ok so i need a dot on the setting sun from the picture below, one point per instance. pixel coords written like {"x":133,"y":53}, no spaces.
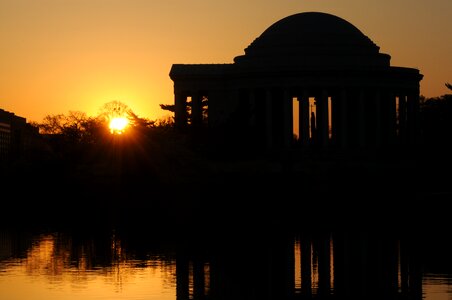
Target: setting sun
{"x":118,"y":125}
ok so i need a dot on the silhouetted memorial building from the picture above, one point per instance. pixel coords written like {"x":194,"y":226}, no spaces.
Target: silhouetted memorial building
{"x":312,"y":67}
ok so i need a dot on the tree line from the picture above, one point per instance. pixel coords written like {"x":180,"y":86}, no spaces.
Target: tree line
{"x":436,"y":119}
{"x":75,"y":136}
{"x":76,"y":130}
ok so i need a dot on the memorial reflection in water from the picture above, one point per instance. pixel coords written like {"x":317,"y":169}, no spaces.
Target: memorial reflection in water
{"x":246,"y":265}
{"x":309,"y":265}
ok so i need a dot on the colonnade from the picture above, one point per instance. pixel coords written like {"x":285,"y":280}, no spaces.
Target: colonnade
{"x":340,"y":117}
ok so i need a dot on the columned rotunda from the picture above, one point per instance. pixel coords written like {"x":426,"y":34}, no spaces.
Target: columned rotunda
{"x":309,"y":79}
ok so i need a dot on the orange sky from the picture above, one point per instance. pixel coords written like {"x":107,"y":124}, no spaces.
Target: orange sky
{"x":61,"y":55}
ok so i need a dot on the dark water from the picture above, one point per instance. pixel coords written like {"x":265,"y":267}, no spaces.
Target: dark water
{"x":146,"y":260}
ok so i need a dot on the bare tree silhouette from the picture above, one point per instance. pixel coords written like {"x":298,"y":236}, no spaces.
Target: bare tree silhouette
{"x":115,"y":109}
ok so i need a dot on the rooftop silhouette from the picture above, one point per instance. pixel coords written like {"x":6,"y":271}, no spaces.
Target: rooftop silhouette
{"x":322,"y":62}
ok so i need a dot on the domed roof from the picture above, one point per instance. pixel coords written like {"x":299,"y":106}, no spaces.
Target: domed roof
{"x":300,"y":38}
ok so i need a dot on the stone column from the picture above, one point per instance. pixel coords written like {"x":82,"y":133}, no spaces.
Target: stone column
{"x":335,"y":119}
{"x":287,"y":118}
{"x":303,"y":118}
{"x":392,"y":119}
{"x":180,"y":111}
{"x":402,"y":118}
{"x":268,"y":119}
{"x":214,"y":110}
{"x":378,"y":117}
{"x":343,"y":119}
{"x":362,"y":126}
{"x":252,"y":97}
{"x":322,"y":119}
{"x":196,"y":110}
{"x":416,"y":115}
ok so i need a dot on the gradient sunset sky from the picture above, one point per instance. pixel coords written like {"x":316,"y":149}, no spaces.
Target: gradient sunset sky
{"x":62,"y":55}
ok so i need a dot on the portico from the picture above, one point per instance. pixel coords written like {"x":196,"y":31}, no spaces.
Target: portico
{"x":348,"y":94}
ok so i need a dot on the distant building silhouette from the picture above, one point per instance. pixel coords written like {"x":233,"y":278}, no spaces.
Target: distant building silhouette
{"x":16,"y":135}
{"x":360,"y":100}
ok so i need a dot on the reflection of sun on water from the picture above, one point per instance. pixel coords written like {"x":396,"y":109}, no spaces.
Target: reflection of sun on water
{"x":55,"y":269}
{"x":118,"y":125}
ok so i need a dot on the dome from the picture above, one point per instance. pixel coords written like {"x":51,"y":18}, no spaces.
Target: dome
{"x":313,"y":38}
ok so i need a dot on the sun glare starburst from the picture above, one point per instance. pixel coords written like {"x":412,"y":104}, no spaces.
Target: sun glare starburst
{"x":118,"y":125}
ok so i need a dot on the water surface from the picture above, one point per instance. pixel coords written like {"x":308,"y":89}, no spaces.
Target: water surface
{"x":274,"y":264}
